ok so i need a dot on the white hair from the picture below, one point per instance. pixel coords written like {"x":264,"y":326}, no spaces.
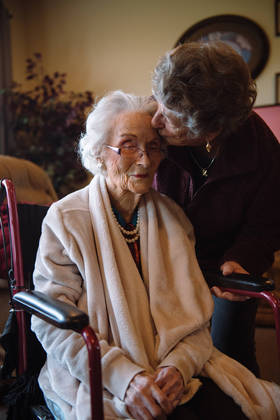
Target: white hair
{"x":100,"y":120}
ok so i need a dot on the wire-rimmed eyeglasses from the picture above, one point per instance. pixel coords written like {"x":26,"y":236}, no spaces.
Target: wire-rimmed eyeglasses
{"x":135,"y":151}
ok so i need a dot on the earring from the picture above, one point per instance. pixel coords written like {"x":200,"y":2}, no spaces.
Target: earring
{"x":208,"y":147}
{"x":99,"y":164}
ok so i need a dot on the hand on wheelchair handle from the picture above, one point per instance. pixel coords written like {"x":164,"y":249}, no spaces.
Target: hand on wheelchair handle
{"x":230,"y":267}
{"x":216,"y":291}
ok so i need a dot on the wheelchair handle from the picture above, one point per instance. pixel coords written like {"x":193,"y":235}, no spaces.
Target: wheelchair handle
{"x":55,"y":312}
{"x":65,"y":316}
{"x":249,"y":282}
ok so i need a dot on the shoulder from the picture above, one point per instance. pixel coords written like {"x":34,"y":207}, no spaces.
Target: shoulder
{"x":173,"y":209}
{"x":257,"y":131}
{"x":165,"y":200}
{"x":252,"y":145}
{"x":78,"y":200}
{"x":70,"y":208}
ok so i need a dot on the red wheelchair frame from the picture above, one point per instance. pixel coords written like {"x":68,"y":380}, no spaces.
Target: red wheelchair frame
{"x":271,"y":299}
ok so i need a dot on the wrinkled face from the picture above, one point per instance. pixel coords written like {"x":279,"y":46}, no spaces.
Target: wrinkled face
{"x":132,"y":173}
{"x":172,"y":130}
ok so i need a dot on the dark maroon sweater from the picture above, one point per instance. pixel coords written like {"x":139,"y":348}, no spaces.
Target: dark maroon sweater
{"x":236,"y":212}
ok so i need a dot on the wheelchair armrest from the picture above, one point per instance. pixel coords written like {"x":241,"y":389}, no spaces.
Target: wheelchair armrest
{"x":238,"y":281}
{"x":66,"y":316}
{"x":55,"y":312}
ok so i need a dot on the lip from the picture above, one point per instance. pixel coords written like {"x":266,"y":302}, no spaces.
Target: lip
{"x":141,"y":176}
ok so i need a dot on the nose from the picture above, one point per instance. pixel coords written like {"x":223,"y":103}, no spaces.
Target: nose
{"x":157,"y":120}
{"x":143,"y":158}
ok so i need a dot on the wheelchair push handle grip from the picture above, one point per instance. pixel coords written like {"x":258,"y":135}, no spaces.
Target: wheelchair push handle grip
{"x":250,"y":282}
{"x":55,"y":312}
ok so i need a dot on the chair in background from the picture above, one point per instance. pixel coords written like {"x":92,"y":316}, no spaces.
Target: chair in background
{"x":32,"y":184}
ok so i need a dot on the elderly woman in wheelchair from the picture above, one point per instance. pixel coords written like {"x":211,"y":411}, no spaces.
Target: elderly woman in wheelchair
{"x":124,"y":254}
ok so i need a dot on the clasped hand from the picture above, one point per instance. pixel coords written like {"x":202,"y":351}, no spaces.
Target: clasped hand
{"x":154,"y":396}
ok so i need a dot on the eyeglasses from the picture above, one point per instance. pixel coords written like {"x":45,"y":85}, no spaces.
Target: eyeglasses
{"x":135,"y":151}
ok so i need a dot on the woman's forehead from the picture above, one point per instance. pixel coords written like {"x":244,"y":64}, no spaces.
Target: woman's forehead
{"x":133,"y":122}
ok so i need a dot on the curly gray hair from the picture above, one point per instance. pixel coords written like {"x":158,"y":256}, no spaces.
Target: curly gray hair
{"x":100,"y":120}
{"x":207,"y":85}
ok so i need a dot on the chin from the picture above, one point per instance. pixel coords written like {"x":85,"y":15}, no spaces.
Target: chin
{"x":141,"y":189}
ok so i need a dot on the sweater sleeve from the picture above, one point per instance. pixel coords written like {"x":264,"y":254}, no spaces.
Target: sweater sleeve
{"x":58,"y":276}
{"x":190,"y":354}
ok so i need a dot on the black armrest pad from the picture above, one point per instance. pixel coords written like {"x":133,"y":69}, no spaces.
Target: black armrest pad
{"x":53,"y":311}
{"x":239,"y":281}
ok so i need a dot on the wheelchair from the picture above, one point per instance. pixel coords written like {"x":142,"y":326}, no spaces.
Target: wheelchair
{"x":25,"y":301}
{"x":50,"y":310}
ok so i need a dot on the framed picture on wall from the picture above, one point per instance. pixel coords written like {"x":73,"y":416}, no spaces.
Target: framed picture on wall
{"x":243,"y":34}
{"x":277,"y":17}
{"x":277,"y":88}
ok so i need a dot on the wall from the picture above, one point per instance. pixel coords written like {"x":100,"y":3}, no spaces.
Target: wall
{"x":114,"y":44}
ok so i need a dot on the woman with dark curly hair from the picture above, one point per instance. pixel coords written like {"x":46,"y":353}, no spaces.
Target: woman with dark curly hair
{"x":225,"y":175}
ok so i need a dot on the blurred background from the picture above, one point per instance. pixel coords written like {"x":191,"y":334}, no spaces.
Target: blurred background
{"x":104,"y":45}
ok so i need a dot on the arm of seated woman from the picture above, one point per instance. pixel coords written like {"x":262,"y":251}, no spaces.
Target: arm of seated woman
{"x":190,"y":354}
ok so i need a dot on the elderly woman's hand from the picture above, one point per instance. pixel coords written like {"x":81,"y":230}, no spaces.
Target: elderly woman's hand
{"x":145,"y":400}
{"x":170,"y":381}
{"x":227,"y":268}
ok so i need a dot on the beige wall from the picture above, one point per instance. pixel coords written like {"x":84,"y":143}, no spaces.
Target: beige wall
{"x":114,"y":44}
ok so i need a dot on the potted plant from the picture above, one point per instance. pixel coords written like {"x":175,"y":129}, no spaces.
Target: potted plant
{"x":47,"y":122}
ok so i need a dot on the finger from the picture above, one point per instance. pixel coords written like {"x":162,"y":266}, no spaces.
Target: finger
{"x":227,"y":268}
{"x":175,"y":399}
{"x":228,"y":295}
{"x":154,"y":400}
{"x":139,"y":412}
{"x":234,"y":297}
{"x":139,"y":396}
{"x":142,"y":404}
{"x":173,"y":390}
{"x":216,"y":291}
{"x":174,"y":395}
{"x":173,"y":384}
{"x":230,"y":267}
{"x":161,"y":399}
{"x":170,"y":380}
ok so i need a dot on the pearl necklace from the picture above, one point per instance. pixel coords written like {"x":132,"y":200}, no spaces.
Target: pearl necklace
{"x":129,"y":232}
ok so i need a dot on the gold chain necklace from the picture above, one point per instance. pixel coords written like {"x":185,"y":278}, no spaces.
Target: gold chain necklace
{"x":204,"y":171}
